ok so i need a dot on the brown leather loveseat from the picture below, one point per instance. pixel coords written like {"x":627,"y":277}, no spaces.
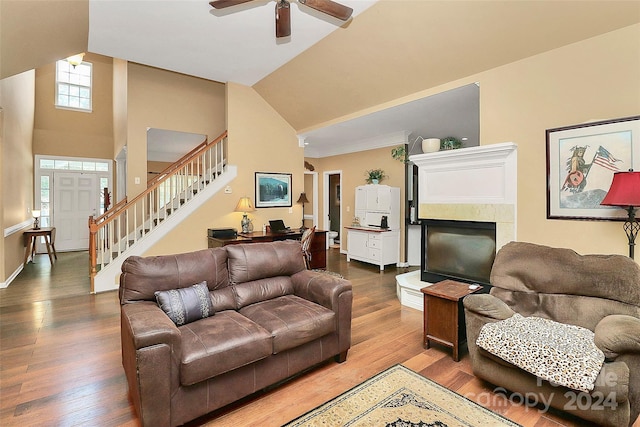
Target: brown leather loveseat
{"x":270,"y":319}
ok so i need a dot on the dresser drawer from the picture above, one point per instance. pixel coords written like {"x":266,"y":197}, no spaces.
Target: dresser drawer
{"x":375,"y":237}
{"x":374,"y":254}
{"x":373,"y":243}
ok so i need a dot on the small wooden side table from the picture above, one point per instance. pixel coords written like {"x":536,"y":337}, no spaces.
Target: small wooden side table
{"x":30,"y":236}
{"x":444,"y":314}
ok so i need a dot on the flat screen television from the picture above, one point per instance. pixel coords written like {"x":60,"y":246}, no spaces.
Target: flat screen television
{"x":457,"y":250}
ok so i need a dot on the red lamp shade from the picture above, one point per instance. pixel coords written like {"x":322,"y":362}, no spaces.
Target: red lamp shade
{"x":624,"y":191}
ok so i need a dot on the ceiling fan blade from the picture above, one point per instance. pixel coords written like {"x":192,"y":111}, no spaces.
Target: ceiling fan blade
{"x":329,"y":7}
{"x":221,"y":4}
{"x":283,"y":19}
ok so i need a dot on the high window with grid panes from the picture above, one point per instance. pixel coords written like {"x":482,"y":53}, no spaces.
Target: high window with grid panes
{"x":73,"y":85}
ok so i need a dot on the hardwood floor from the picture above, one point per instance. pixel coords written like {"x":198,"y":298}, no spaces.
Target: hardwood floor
{"x":60,"y":354}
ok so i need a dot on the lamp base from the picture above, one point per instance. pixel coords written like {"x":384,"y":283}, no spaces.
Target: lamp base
{"x":245,"y":223}
{"x":631,"y":228}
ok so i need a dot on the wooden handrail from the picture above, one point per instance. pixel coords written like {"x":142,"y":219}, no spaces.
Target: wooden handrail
{"x":184,"y":159}
{"x":114,"y":209}
{"x":122,"y":207}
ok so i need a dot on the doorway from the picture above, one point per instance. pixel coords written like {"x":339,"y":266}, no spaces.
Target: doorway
{"x":68,"y":190}
{"x":333,"y":208}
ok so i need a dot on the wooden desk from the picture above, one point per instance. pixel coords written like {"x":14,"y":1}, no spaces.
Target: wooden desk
{"x":30,"y":237}
{"x":444,"y":314}
{"x":318,"y":247}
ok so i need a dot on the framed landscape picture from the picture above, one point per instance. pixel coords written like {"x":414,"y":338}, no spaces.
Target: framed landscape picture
{"x":581,"y":161}
{"x":273,"y":190}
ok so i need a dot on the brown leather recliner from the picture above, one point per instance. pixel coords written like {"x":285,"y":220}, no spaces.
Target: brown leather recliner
{"x":597,"y":292}
{"x":272,"y":319}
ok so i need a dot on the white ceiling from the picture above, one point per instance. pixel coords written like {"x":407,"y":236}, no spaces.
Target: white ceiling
{"x":235,"y":44}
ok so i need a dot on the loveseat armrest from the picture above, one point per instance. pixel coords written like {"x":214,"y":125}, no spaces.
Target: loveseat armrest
{"x":148,"y":325}
{"x":618,"y":334}
{"x":151,"y":353}
{"x":488,"y":306}
{"x":333,"y":293}
{"x":321,"y":288}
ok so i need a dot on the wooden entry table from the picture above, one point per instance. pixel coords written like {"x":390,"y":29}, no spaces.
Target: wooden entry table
{"x":30,"y":236}
{"x":444,"y":314}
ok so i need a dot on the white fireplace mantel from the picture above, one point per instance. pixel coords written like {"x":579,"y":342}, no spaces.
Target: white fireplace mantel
{"x":486,"y":174}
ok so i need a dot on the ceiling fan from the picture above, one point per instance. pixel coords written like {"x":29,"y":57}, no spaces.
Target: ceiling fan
{"x":283,"y":12}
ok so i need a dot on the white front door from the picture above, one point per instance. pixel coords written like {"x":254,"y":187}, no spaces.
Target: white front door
{"x":75,"y":199}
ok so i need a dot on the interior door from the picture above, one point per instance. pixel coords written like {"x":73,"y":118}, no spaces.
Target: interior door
{"x":75,"y":199}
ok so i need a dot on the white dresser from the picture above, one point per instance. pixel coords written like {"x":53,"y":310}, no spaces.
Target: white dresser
{"x":368,"y":242}
{"x":373,"y":245}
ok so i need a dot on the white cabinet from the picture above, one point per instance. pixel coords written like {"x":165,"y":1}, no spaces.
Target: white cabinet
{"x":373,"y":246}
{"x":373,"y":201}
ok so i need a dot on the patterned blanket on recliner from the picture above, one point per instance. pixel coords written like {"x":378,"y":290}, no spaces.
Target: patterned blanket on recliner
{"x":560,"y":353}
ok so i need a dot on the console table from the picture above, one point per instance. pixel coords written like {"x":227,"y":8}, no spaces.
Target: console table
{"x":318,"y":248}
{"x":444,"y":314}
{"x":30,"y":236}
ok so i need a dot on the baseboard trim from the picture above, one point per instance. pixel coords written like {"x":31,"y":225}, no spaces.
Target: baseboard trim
{"x":10,"y":279}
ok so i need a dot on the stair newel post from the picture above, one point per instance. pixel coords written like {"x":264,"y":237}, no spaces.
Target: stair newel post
{"x":93,"y":229}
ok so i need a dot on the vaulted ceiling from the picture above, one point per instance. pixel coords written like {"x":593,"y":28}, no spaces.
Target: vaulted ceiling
{"x":327,"y":70}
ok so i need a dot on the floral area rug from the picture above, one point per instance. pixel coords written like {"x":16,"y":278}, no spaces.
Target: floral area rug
{"x":399,"y":397}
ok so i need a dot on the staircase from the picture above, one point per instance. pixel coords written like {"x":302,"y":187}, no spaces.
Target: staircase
{"x":132,"y":227}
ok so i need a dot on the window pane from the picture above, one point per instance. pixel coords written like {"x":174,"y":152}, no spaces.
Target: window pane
{"x":85,"y":104}
{"x":88,"y":166}
{"x":83,"y":69}
{"x":63,"y":77}
{"x":85,"y":92}
{"x":102,"y":167}
{"x":44,"y":222}
{"x":74,"y":90}
{"x":46,"y":164}
{"x":74,"y":102}
{"x":63,"y":65}
{"x":44,"y":209}
{"x":63,"y":89}
{"x":84,"y":80}
{"x":63,"y":100}
{"x":44,"y":196}
{"x":44,"y":181}
{"x":62,"y":164}
{"x":76,"y":166}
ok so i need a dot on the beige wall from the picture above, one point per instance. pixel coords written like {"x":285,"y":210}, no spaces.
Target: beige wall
{"x":256,"y":133}
{"x":63,"y":132}
{"x":167,"y":100}
{"x":595,"y":79}
{"x":35,"y":33}
{"x":353,"y":167}
{"x":119,"y":105}
{"x":17,"y":97}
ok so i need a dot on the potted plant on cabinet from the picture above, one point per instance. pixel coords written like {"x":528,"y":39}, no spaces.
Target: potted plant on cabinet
{"x":374,"y":176}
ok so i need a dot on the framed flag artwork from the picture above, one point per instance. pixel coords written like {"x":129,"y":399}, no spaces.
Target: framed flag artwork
{"x":581,"y":161}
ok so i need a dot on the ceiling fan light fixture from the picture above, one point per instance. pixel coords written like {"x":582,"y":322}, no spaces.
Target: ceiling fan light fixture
{"x":75,"y":60}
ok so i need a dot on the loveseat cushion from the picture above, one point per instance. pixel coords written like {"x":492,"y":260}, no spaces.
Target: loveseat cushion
{"x":262,"y":289}
{"x":291,"y":320}
{"x":219,"y":344}
{"x":253,"y":261}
